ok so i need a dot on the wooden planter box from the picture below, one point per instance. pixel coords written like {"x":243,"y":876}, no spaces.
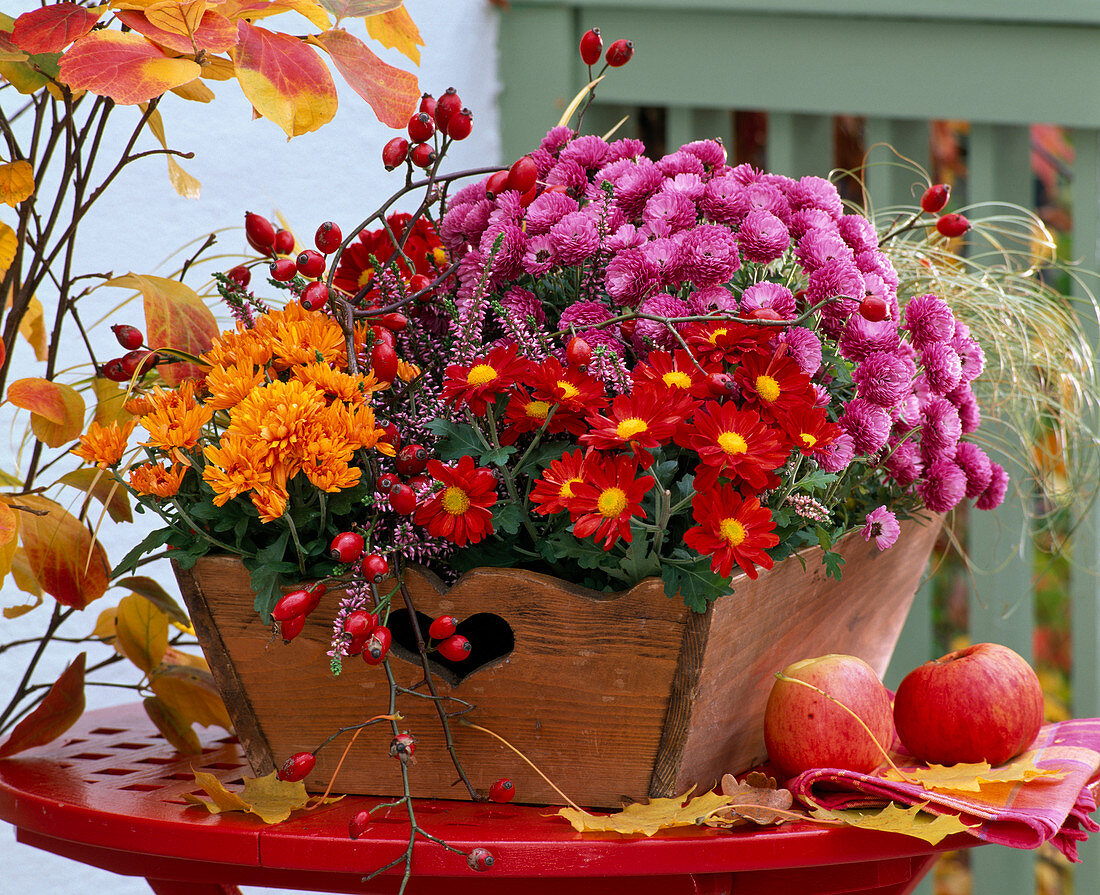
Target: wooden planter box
{"x":613,"y":696}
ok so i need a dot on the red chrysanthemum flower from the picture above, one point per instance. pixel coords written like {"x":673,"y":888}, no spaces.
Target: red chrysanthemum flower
{"x":422,"y":248}
{"x":459,"y":511}
{"x":731,"y":530}
{"x":809,"y":429}
{"x":525,"y":414}
{"x":676,"y":373}
{"x":610,"y":495}
{"x":735,"y":443}
{"x":553,"y":492}
{"x":727,"y":340}
{"x":480,"y":382}
{"x":775,"y":384}
{"x":572,"y":393}
{"x":641,"y":420}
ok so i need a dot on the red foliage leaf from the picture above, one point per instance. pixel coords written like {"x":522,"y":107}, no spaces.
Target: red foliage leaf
{"x":124,"y":66}
{"x":52,"y":28}
{"x":284,"y":79}
{"x":215,"y":33}
{"x":70,"y":565}
{"x":391,"y":92}
{"x":63,"y":705}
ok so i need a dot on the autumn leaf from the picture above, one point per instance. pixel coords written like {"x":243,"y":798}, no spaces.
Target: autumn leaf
{"x":396,"y":29}
{"x":105,"y":625}
{"x":9,"y":244}
{"x":172,"y":727}
{"x":758,"y":799}
{"x":9,"y":538}
{"x":195,"y":92}
{"x":104,"y":488}
{"x":141,"y":632}
{"x":123,"y":66}
{"x":648,"y":818}
{"x":33,"y":328}
{"x":110,"y":401}
{"x":56,"y":713}
{"x":24,"y":579}
{"x":158,"y":596}
{"x":912,"y":821}
{"x":976,"y":777}
{"x":285,"y":80}
{"x":355,"y":9}
{"x":314,"y":12}
{"x":16,"y":184}
{"x":268,"y":797}
{"x":392,"y":92}
{"x":61,"y":554}
{"x":183,"y":183}
{"x":52,"y":28}
{"x":175,"y":317}
{"x":57,"y":410}
{"x":176,"y":28}
{"x":191,"y":694}
{"x":9,"y":52}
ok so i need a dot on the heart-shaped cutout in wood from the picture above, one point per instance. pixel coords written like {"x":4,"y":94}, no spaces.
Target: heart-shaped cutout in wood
{"x":491,"y":641}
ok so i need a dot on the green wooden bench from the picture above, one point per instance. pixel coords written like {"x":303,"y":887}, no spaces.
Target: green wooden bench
{"x":899,"y":64}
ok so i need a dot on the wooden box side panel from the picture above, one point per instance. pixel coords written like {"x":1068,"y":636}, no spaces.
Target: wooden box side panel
{"x":785,"y":616}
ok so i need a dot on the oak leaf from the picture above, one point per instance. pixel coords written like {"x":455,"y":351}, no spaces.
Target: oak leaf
{"x":912,"y":821}
{"x":57,"y":712}
{"x":392,"y":92}
{"x":16,"y":183}
{"x":124,"y":66}
{"x":268,"y":797}
{"x":62,"y":556}
{"x":649,"y":817}
{"x":396,"y":30}
{"x":976,"y":777}
{"x":757,"y":799}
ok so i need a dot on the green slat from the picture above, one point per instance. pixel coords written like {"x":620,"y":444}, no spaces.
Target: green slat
{"x":799,"y":144}
{"x":889,"y":180}
{"x":602,"y":117}
{"x":683,"y":125}
{"x":915,"y":644}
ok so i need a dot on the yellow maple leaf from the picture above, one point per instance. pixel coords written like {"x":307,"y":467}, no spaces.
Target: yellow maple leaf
{"x":650,"y":817}
{"x":16,"y":182}
{"x":912,"y":821}
{"x":976,"y":777}
{"x":268,"y":797}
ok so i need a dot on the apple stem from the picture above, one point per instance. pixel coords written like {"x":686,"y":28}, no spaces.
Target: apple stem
{"x":906,"y":777}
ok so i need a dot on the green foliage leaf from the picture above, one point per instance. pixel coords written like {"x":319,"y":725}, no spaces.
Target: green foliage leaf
{"x":149,"y":543}
{"x":266,"y":574}
{"x":507,"y":518}
{"x":694,"y":582}
{"x":497,"y":456}
{"x":455,"y":439}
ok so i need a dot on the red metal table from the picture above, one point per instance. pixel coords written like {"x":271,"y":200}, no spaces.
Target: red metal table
{"x":109,"y":794}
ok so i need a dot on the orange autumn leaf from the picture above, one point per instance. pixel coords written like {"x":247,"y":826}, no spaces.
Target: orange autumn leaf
{"x":61,"y":708}
{"x":344,"y":9}
{"x":176,"y":318}
{"x":33,"y":328}
{"x":192,"y":694}
{"x":104,"y":488}
{"x":308,"y":9}
{"x":141,"y":632}
{"x":268,"y":797}
{"x":9,"y":52}
{"x":57,"y":410}
{"x":172,"y":727}
{"x":396,"y":29}
{"x":391,"y":92}
{"x":183,"y":183}
{"x":16,"y":182}
{"x":9,"y":244}
{"x":52,"y":28}
{"x":123,"y":66}
{"x":159,"y":597}
{"x":172,"y":28}
{"x":61,"y":554}
{"x":9,"y":538}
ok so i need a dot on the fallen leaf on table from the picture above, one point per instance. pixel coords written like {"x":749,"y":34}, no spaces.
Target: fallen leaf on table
{"x":758,"y":799}
{"x":912,"y":821}
{"x":650,"y":817}
{"x":975,"y":777}
{"x":268,"y":797}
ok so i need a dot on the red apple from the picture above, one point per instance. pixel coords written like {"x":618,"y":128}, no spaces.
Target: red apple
{"x":981,"y":703}
{"x":804,"y":729}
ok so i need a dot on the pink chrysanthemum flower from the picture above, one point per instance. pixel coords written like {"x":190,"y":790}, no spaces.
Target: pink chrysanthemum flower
{"x":543,"y":160}
{"x":505,"y":259}
{"x":626,"y":236}
{"x":589,"y":151}
{"x":883,"y":379}
{"x":815,"y":192}
{"x":994,"y":495}
{"x":690,"y":184}
{"x":712,"y":298}
{"x":882,"y":525}
{"x":631,"y":277}
{"x":862,"y":337}
{"x":941,"y":429}
{"x":673,"y":211}
{"x":971,"y":357}
{"x":875,"y":285}
{"x":858,"y":232}
{"x":681,"y":162}
{"x":547,"y":210}
{"x":603,"y":337}
{"x":721,"y":201}
{"x":626,"y":148}
{"x":522,"y":304}
{"x":507,"y":209}
{"x":876,"y":262}
{"x":928,"y":319}
{"x":975,"y":463}
{"x":652,"y":334}
{"x":942,"y":367}
{"x":970,"y":415}
{"x":538,"y":257}
{"x":805,"y":347}
{"x":768,"y":295}
{"x":634,"y":188}
{"x":710,"y":152}
{"x":613,"y":170}
{"x":763,"y":237}
{"x":840,"y":281}
{"x":584,"y":314}
{"x":574,"y":239}
{"x":904,"y":464}
{"x":710,"y":255}
{"x":745,"y":174}
{"x":556,"y":138}
{"x":804,"y":220}
{"x":942,"y":486}
{"x":819,"y":247}
{"x":764,"y":196}
{"x":836,"y":456}
{"x":570,"y":175}
{"x":867,"y":423}
{"x":667,"y":256}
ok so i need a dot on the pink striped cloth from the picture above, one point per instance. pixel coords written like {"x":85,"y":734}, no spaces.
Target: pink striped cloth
{"x":1021,"y":815}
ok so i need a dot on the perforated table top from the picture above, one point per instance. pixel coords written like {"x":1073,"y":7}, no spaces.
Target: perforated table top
{"x":110,"y":794}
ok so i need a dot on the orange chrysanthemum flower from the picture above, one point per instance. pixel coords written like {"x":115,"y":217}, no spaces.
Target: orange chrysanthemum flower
{"x":231,"y":471}
{"x":176,"y":421}
{"x":104,"y":445}
{"x":270,"y":502}
{"x":338,"y":384}
{"x":277,"y":421}
{"x":155,"y":480}
{"x":230,"y":385}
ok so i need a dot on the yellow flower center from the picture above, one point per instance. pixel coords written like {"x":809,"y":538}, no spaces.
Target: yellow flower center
{"x":365,"y":276}
{"x":455,"y":501}
{"x":767,"y":388}
{"x":439,"y":255}
{"x":536,"y":409}
{"x":715,"y":334}
{"x":676,"y":379}
{"x":612,"y":502}
{"x":733,"y":531}
{"x":568,"y":390}
{"x":481,"y":374}
{"x":566,"y":489}
{"x":732,"y":443}
{"x":808,"y":439}
{"x":630,"y":427}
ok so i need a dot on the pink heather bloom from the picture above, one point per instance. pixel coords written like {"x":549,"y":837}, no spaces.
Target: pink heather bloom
{"x":858,"y":232}
{"x":904,"y":464}
{"x":836,"y":456}
{"x":942,"y":486}
{"x":556,"y":138}
{"x":710,"y":255}
{"x":603,"y":337}
{"x":584,"y":314}
{"x":805,"y":347}
{"x":681,"y":162}
{"x":652,"y":334}
{"x":928,"y":319}
{"x":815,"y":192}
{"x":941,"y":429}
{"x":768,"y":295}
{"x":547,"y":210}
{"x":942,"y":367}
{"x":712,"y":298}
{"x":819,"y":247}
{"x":883,"y":379}
{"x":538,"y":258}
{"x":862,"y":337}
{"x":589,"y":151}
{"x":634,"y":188}
{"x":977,"y":467}
{"x":574,"y":239}
{"x":994,"y":495}
{"x":710,"y":152}
{"x":867,"y":424}
{"x":631,"y":277}
{"x":882,"y":525}
{"x":721,"y":201}
{"x":763,"y":237}
{"x":673,"y":210}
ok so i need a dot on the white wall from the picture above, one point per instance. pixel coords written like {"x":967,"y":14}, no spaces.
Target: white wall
{"x":334,"y":174}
